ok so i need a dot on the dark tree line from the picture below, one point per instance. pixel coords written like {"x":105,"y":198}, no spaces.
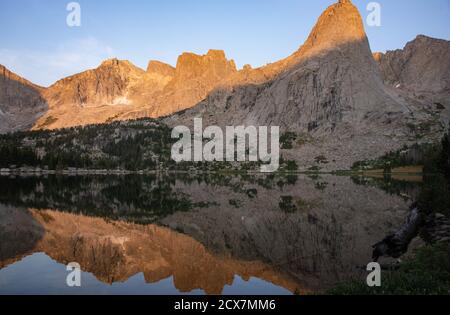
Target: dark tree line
{"x":135,"y":145}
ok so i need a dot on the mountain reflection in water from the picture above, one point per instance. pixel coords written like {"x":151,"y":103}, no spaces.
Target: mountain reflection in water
{"x":198,"y":234}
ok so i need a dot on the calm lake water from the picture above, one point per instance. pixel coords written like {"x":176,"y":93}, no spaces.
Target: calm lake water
{"x":194,"y":234}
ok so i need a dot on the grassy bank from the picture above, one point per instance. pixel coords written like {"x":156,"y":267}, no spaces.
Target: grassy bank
{"x":427,"y":273}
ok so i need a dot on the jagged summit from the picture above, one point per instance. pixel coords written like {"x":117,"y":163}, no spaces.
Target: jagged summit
{"x":331,"y":88}
{"x":108,"y":84}
{"x":109,"y":67}
{"x":116,"y":63}
{"x":110,"y":62}
{"x":331,"y":82}
{"x":216,"y":53}
{"x":214,"y":63}
{"x":340,"y":24}
{"x":427,"y":38}
{"x":117,"y":89}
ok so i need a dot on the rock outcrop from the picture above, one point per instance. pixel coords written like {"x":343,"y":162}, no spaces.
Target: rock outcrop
{"x":160,"y":68}
{"x":195,"y":77}
{"x":21,"y":102}
{"x":156,"y":78}
{"x":109,"y":84}
{"x":86,"y":97}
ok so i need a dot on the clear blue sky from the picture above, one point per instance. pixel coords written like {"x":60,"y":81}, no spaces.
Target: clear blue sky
{"x":37,"y":44}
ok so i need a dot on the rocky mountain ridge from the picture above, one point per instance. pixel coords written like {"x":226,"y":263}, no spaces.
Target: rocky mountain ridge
{"x":118,"y":90}
{"x":332,"y":88}
{"x":421,"y":69}
{"x":331,"y":79}
{"x":331,"y":91}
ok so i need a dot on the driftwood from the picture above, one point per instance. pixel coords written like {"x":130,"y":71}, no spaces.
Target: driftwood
{"x":395,"y":245}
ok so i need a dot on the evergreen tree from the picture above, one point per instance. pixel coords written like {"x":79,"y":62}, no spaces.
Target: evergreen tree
{"x":444,"y":162}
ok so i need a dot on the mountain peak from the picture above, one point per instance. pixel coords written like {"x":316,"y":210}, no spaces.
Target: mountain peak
{"x":161,"y":68}
{"x":216,"y":53}
{"x":21,"y":102}
{"x":423,"y":37}
{"x":7,"y":74}
{"x":110,"y":62}
{"x":115,"y":63}
{"x":419,"y":68}
{"x":213,"y":55}
{"x":215,"y":62}
{"x":340,"y":24}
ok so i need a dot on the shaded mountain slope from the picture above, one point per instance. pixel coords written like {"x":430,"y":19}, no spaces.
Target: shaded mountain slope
{"x":21,"y":102}
{"x":421,"y":69}
{"x":331,"y":80}
{"x":330,"y":93}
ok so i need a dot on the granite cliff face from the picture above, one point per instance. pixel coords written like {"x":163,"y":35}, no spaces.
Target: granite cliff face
{"x":330,"y":89}
{"x":332,"y":81}
{"x":21,"y":102}
{"x":195,"y":77}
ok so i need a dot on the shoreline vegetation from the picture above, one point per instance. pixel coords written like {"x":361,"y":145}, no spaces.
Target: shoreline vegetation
{"x":426,"y":271}
{"x":80,"y":171}
{"x":143,"y":147}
